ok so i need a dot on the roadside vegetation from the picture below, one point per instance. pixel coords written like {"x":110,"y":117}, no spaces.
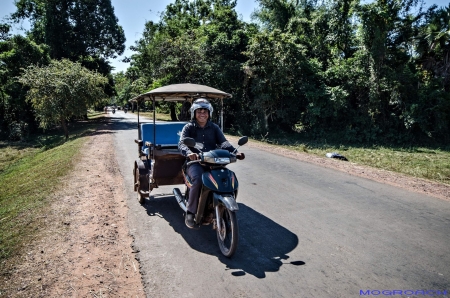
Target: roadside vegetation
{"x":431,"y":163}
{"x":30,"y":172}
{"x":362,"y":72}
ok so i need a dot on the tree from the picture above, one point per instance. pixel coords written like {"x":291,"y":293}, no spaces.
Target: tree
{"x":434,"y":44}
{"x":276,"y":14}
{"x":349,"y":69}
{"x":430,"y":113}
{"x":61,"y":91}
{"x":122,"y":85}
{"x":74,"y":28}
{"x":198,"y":42}
{"x":85,"y":31}
{"x":17,"y":53}
{"x":282,"y":80}
{"x":4,"y":31}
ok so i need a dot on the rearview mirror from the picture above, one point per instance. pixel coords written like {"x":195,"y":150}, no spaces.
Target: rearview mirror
{"x":190,"y":142}
{"x":243,"y":141}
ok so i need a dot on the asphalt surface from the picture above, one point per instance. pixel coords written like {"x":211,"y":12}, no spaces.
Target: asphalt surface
{"x":305,"y":231}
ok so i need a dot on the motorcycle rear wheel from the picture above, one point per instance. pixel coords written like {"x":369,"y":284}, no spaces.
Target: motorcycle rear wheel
{"x":228,"y":237}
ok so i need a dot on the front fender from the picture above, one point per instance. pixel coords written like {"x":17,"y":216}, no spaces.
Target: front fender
{"x":227,"y":200}
{"x":220,"y":180}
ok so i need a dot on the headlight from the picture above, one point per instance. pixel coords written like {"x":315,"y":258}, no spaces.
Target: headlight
{"x":222,"y":160}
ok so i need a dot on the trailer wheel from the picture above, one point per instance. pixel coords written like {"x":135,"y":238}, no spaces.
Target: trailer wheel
{"x":137,"y":185}
{"x":141,"y":198}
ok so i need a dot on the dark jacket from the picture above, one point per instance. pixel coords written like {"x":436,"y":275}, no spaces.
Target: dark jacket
{"x":210,"y":136}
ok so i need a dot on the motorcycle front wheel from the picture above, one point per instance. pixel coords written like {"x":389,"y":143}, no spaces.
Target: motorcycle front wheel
{"x":228,"y":236}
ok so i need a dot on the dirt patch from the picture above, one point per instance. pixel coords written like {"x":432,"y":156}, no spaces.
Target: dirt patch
{"x":430,"y":188}
{"x":86,"y":249}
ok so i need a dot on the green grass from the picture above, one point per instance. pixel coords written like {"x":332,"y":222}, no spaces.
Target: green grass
{"x":30,"y":172}
{"x":95,"y":114}
{"x":159,"y":116}
{"x":421,"y":162}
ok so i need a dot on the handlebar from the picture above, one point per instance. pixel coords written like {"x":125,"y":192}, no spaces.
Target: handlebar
{"x":233,"y":159}
{"x":194,"y":161}
{"x":200,"y":155}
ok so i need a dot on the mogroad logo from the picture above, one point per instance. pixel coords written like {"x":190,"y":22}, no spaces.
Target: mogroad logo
{"x":429,"y":293}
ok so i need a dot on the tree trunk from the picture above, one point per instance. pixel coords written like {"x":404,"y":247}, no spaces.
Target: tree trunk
{"x":64,"y":125}
{"x":173,"y":114}
{"x":2,"y":107}
{"x":266,"y":121}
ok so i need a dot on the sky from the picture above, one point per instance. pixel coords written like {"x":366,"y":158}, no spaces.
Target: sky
{"x":133,"y":14}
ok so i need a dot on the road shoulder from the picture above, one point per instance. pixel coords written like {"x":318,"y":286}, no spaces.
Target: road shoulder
{"x":86,"y":248}
{"x":418,"y":185}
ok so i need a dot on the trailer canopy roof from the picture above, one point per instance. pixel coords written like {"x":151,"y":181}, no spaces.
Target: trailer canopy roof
{"x":181,"y":92}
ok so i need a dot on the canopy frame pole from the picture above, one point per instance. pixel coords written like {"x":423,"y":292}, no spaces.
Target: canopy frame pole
{"x":139,"y":131}
{"x":221,"y":114}
{"x":154,"y":121}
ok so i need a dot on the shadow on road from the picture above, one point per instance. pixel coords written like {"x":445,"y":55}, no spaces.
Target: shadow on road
{"x":263,"y":244}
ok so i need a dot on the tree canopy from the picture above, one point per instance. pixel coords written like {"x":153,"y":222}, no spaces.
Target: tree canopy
{"x":62,"y":90}
{"x":74,"y":28}
{"x":351,"y":70}
{"x":17,"y":52}
{"x":83,"y":31}
{"x":360,"y":72}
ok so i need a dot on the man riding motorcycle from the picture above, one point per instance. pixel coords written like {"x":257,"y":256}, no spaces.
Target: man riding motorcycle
{"x":204,"y":131}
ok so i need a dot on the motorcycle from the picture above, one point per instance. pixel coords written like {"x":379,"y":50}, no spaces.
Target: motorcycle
{"x":160,"y":163}
{"x":217,"y":202}
{"x":125,"y":110}
{"x":114,"y":111}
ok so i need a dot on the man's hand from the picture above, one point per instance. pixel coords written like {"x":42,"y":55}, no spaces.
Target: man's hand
{"x":240,"y":156}
{"x":193,"y":156}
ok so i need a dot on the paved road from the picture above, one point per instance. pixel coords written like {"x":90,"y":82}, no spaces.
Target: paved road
{"x":305,"y":231}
